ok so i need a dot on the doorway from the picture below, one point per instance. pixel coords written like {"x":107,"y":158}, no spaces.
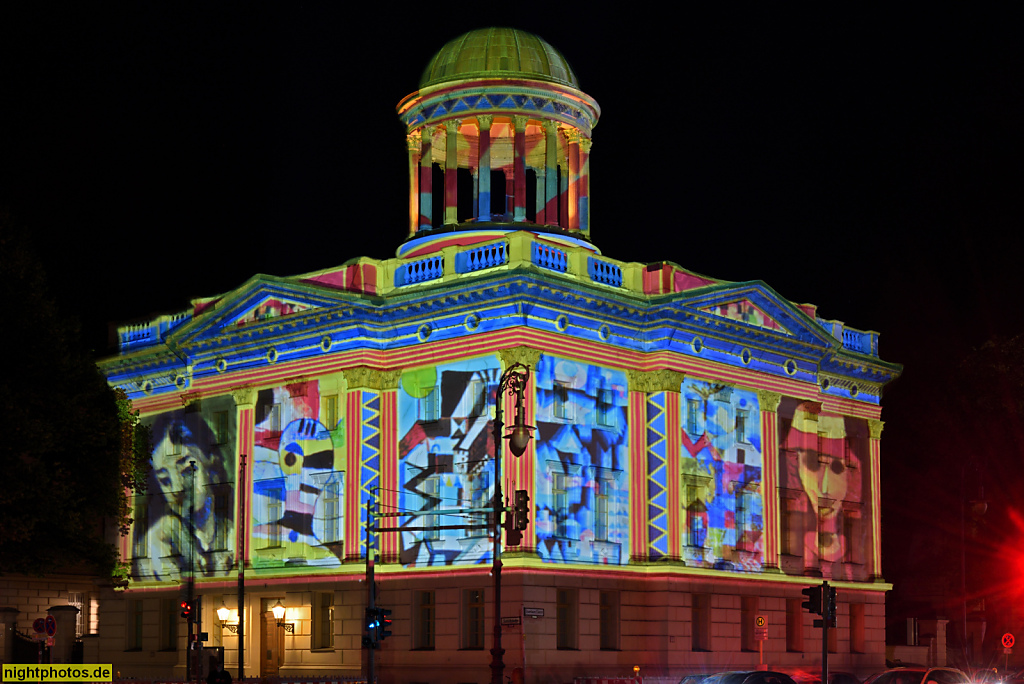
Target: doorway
{"x":271,"y":640}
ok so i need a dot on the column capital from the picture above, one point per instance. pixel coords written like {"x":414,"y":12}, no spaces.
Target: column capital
{"x":573,"y":135}
{"x":364,"y":377}
{"x":521,"y":354}
{"x":484,"y":121}
{"x":663,"y":380}
{"x":452,"y":126}
{"x":585,"y":144}
{"x":412,"y":140}
{"x":769,"y":401}
{"x":875,"y":428}
{"x":520,"y":122}
{"x":245,"y":397}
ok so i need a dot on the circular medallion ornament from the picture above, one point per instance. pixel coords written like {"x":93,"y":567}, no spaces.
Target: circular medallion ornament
{"x":604,"y":332}
{"x":271,"y":355}
{"x":326,"y":342}
{"x":222,"y":365}
{"x":854,"y":391}
{"x":745,"y":356}
{"x":825,"y":384}
{"x":789,"y":367}
{"x":180,"y":381}
{"x":147,"y":387}
{"x":472,"y":322}
{"x":697,"y":344}
{"x":424,"y":332}
{"x":562,"y":323}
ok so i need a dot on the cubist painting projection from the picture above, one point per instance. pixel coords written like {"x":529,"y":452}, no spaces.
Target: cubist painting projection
{"x":823,"y":480}
{"x":298,"y":482}
{"x":721,"y":477}
{"x":581,"y":502}
{"x":446,"y":461}
{"x":184,"y":522}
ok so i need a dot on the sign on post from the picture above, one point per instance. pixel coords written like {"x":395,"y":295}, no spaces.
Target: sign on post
{"x":1008,"y":640}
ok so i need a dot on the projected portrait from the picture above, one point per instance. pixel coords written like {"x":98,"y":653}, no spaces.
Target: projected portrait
{"x":298,"y":481}
{"x":721,"y":476}
{"x":185,"y":520}
{"x":580,"y":507}
{"x":446,"y":461}
{"x":823,"y":461}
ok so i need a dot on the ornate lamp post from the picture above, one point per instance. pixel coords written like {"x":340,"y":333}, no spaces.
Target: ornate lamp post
{"x":513,"y":381}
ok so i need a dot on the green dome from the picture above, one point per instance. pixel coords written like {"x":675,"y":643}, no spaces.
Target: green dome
{"x":498,"y":52}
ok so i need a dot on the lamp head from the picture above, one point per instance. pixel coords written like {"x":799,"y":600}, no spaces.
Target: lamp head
{"x":519,"y":438}
{"x":278,"y":611}
{"x":223,"y":613}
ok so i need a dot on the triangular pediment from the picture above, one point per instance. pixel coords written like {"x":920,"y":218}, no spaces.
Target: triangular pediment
{"x":757,"y":307}
{"x":262,"y":300}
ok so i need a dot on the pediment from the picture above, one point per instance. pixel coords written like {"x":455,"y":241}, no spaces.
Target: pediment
{"x":757,"y":306}
{"x":261,"y":300}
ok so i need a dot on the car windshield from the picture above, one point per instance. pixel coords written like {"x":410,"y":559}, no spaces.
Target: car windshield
{"x":900,"y":677}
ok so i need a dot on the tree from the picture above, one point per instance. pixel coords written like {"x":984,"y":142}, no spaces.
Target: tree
{"x":72,"y":444}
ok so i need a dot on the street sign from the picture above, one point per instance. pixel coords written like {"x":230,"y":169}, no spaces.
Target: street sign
{"x":760,"y":621}
{"x":51,"y":625}
{"x":39,"y":625}
{"x":509,"y":621}
{"x":1008,"y":640}
{"x":533,"y":612}
{"x":761,"y":634}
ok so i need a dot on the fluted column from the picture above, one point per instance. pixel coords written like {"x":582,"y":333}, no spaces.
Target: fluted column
{"x":573,"y":137}
{"x":451,"y":171}
{"x":584,"y":193}
{"x":769,"y":405}
{"x":484,"y":122}
{"x":413,"y":143}
{"x":245,"y":443}
{"x":519,"y":169}
{"x":550,"y":174}
{"x":426,"y":179}
{"x":875,"y":431}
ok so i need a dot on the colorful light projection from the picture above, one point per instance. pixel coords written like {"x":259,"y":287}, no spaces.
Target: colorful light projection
{"x":446,"y":460}
{"x":721,"y":477}
{"x":178,"y":498}
{"x":581,"y":493}
{"x":823,"y":472}
{"x":299,"y":479}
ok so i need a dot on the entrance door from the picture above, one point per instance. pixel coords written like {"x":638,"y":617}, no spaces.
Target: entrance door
{"x":272,"y":642}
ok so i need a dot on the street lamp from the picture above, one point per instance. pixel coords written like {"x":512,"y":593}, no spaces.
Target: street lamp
{"x":513,"y":381}
{"x":223,"y":613}
{"x":278,"y":611}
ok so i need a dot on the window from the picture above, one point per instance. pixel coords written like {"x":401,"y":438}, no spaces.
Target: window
{"x":560,"y":496}
{"x":609,"y":620}
{"x":220,"y":427}
{"x":741,"y":426}
{"x":852,"y":546}
{"x":430,"y":406}
{"x":169,"y":618}
{"x":823,"y":451}
{"x":323,"y":620}
{"x":696,"y":524}
{"x":606,"y":408}
{"x":476,"y":396}
{"x":175,"y":532}
{"x":425,"y":608}
{"x":826,"y":535}
{"x":329,"y":411}
{"x":565,"y":616}
{"x":562,"y":407}
{"x":857,"y":628}
{"x":794,"y":626}
{"x":748,"y":613}
{"x":742,"y":518}
{"x":701,"y":623}
{"x":133,"y":633}
{"x":431,"y":496}
{"x":741,"y":456}
{"x":603,"y":496}
{"x":83,"y":621}
{"x":479,"y":490}
{"x":274,"y":418}
{"x":274,"y":513}
{"x":788,"y":523}
{"x":473,"y":619}
{"x":221,"y":518}
{"x":140,"y":527}
{"x":692,"y":407}
{"x":331,"y":498}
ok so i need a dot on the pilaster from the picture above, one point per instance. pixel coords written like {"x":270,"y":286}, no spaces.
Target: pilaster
{"x":519,"y":169}
{"x":875,"y":433}
{"x":245,"y":442}
{"x":484,"y":122}
{"x":451,"y":170}
{"x":769,"y":406}
{"x":412,"y":141}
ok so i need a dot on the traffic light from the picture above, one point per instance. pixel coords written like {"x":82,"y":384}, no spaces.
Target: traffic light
{"x":186,"y":609}
{"x":522,"y":509}
{"x":383,"y":623}
{"x":513,"y":537}
{"x":371,"y":623}
{"x":813,"y":602}
{"x":830,"y":606}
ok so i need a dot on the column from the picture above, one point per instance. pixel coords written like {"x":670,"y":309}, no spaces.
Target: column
{"x":875,"y":432}
{"x":638,"y":518}
{"x":484,"y":122}
{"x":245,"y":442}
{"x":451,"y":171}
{"x":584,"y":211}
{"x":769,"y":406}
{"x":563,"y":194}
{"x":550,"y":174}
{"x":541,"y":202}
{"x":412,"y":141}
{"x":519,"y":169}
{"x":426,"y":179}
{"x":573,"y":137}
{"x":521,"y":472}
{"x":475,"y":171}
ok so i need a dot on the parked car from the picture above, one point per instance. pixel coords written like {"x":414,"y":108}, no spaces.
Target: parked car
{"x":814,"y":677}
{"x":750,"y":677}
{"x":922,"y":675}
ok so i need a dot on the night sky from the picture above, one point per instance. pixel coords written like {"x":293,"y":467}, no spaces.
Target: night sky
{"x":870,"y":163}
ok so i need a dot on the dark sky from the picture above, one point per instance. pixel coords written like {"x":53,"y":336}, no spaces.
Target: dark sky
{"x":865,"y":161}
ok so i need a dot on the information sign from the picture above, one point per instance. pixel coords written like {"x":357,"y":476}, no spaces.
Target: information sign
{"x":761,"y":634}
{"x":533,"y":612}
{"x":760,"y":621}
{"x":509,"y":621}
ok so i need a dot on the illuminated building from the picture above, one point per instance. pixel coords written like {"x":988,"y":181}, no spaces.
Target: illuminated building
{"x":704,"y":449}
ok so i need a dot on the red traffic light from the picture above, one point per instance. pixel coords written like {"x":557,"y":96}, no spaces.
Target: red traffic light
{"x":186,"y":609}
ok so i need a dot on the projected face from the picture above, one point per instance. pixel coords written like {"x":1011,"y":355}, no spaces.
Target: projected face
{"x":177,"y":445}
{"x":823,"y":460}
